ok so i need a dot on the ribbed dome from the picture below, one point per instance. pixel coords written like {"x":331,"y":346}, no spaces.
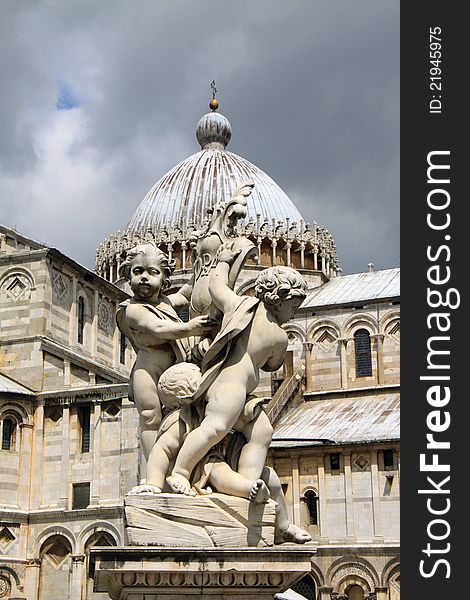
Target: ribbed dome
{"x":186,"y":192}
{"x":178,"y":204}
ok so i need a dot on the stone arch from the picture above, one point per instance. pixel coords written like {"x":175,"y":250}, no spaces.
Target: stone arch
{"x":56,"y":530}
{"x":323,"y":324}
{"x":55,"y":576}
{"x":306,"y":586}
{"x":317,"y":575}
{"x":17,"y":283}
{"x":97,"y":527}
{"x":7,"y":570}
{"x":360,"y":321}
{"x":346,"y":572}
{"x":297,"y":330}
{"x":91,"y":536}
{"x":390,"y":325}
{"x":309,"y":500}
{"x":20,"y":411}
{"x":11,"y":416}
{"x":388,"y":317}
{"x":391,"y":569}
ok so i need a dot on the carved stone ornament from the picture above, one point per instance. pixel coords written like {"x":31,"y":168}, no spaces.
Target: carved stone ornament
{"x":17,"y":286}
{"x":59,"y":285}
{"x":5,"y":587}
{"x":104,"y":315}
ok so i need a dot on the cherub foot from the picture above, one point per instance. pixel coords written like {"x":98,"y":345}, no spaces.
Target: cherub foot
{"x":259,"y":492}
{"x":180,"y":485}
{"x":145,"y":488}
{"x":293,"y":534}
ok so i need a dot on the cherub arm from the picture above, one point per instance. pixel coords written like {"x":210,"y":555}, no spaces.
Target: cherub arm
{"x":143,"y":321}
{"x":224,"y":298}
{"x":182,"y":297}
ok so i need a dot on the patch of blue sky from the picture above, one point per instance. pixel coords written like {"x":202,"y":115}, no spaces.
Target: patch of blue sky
{"x":66,"y":99}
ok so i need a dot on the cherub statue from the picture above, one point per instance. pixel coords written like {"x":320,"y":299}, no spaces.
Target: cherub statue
{"x":177,"y":387}
{"x":250,"y":338}
{"x":158,"y":336}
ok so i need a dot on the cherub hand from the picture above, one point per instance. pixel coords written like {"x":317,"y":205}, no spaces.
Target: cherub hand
{"x":227,"y":255}
{"x":201,"y":325}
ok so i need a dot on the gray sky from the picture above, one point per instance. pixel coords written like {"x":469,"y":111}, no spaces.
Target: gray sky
{"x":100,"y":98}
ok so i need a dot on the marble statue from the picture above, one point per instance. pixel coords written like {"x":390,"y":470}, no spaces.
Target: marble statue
{"x":158,"y":336}
{"x":200,"y":375}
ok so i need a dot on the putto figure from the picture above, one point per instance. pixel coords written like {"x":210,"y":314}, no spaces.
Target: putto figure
{"x":158,"y":336}
{"x":251,"y":338}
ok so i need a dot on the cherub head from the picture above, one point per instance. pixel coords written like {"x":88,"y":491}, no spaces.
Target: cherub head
{"x":282,"y":290}
{"x":148,"y":271}
{"x":177,"y":385}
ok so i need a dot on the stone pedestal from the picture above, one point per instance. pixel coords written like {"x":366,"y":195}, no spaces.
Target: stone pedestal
{"x":131,"y":573}
{"x":218,"y":520}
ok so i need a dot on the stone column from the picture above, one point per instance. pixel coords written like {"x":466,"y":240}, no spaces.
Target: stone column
{"x":288,"y":248}
{"x":324,"y":593}
{"x":66,"y":372}
{"x":379,"y":339}
{"x":274,"y":246}
{"x":302,"y":254}
{"x":348,"y":494}
{"x":24,"y":468}
{"x":35,"y":493}
{"x":315,"y":258}
{"x":95,"y":426}
{"x":295,"y":486}
{"x":323,"y":532}
{"x":374,"y":474}
{"x":31,"y":585}
{"x":381,"y":593}
{"x":63,"y":484}
{"x":343,"y":342}
{"x":77,"y":575}
{"x":308,"y":366}
{"x":183,"y":255}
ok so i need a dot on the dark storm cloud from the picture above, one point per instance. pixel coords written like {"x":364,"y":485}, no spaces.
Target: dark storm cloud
{"x":311,"y":89}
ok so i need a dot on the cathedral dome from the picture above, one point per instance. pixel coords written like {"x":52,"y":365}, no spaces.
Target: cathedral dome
{"x":179,"y":203}
{"x":187,"y":191}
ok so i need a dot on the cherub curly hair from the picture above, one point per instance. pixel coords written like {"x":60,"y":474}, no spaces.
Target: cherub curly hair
{"x":277,"y":284}
{"x":149,"y":249}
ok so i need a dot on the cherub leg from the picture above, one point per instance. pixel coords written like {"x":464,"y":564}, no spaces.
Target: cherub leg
{"x":285,"y":531}
{"x":163,"y":452}
{"x":224,"y":404}
{"x":258,"y":434}
{"x":228,"y":481}
{"x":144,"y":387}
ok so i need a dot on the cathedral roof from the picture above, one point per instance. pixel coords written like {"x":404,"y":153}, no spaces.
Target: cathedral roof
{"x":185,"y":193}
{"x":372,"y":285}
{"x":341,"y":420}
{"x":10,"y":386}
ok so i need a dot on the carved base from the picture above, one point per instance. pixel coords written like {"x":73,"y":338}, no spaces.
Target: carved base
{"x":205,"y":573}
{"x":218,"y":520}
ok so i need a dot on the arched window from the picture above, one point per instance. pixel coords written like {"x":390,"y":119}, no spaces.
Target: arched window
{"x":362,"y":352}
{"x":306,"y":588}
{"x":311,"y":500}
{"x":8,"y":433}
{"x":81,"y":319}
